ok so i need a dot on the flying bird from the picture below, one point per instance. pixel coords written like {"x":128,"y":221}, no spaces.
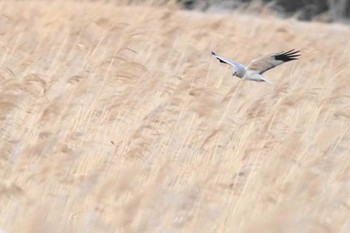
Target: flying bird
{"x":258,"y":66}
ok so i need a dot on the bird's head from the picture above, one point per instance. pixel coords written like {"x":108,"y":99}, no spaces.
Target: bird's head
{"x":234,"y":71}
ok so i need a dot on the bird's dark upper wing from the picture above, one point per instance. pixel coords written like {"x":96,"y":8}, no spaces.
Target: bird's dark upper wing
{"x":266,"y":63}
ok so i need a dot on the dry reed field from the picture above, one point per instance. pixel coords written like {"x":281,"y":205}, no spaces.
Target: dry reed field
{"x":118,"y":119}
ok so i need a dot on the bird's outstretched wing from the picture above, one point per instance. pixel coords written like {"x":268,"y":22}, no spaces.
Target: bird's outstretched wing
{"x":224,"y":60}
{"x":266,"y":63}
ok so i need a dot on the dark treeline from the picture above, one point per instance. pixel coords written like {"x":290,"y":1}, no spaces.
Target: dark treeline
{"x":323,"y":10}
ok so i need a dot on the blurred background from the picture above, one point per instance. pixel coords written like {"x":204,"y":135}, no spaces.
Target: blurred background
{"x":304,"y":10}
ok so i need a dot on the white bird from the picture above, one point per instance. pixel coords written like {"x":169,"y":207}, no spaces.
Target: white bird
{"x":258,"y":66}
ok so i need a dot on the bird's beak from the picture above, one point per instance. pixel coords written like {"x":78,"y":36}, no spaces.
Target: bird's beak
{"x":233,"y":74}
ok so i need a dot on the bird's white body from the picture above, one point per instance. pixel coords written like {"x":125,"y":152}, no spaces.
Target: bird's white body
{"x":254,"y":76}
{"x":257,"y":67}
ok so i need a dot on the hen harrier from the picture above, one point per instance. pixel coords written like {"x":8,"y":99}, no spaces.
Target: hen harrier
{"x":258,"y":66}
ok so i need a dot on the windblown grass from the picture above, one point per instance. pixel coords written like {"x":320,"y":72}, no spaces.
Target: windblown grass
{"x":117,"y":119}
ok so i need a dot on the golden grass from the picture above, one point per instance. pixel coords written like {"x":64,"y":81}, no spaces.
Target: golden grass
{"x":117,"y":119}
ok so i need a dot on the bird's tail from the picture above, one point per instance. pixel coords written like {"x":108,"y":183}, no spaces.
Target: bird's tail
{"x":266,"y":80}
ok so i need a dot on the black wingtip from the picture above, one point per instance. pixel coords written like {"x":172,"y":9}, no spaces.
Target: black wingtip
{"x":288,"y":56}
{"x":293,"y":52}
